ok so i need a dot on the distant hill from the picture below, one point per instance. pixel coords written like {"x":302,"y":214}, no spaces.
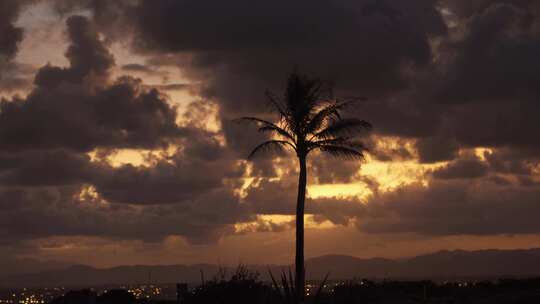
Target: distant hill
{"x":11,"y":266}
{"x":443,"y":264}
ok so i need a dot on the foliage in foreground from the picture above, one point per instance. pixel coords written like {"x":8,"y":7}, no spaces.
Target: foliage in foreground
{"x":243,"y":286}
{"x":504,"y":291}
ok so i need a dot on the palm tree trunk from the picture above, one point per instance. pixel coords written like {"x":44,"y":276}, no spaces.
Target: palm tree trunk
{"x":299,"y":261}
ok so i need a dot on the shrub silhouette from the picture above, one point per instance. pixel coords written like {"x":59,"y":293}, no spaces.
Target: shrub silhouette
{"x":243,"y":287}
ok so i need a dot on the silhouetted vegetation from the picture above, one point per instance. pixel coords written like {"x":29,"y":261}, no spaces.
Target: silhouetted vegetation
{"x":86,"y":296}
{"x":499,"y":292}
{"x":309,"y":119}
{"x":245,"y":287}
{"x":289,"y":294}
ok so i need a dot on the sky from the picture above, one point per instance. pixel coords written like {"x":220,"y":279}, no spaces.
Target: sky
{"x":118,"y":146}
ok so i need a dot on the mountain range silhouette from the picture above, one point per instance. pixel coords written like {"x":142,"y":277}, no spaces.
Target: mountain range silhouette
{"x":451,"y":265}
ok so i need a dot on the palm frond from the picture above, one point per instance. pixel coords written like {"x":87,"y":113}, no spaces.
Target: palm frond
{"x":321,"y":116}
{"x":301,"y":97}
{"x":357,"y":145}
{"x":267,"y":126}
{"x":342,"y":151}
{"x":348,"y":126}
{"x":338,"y":141}
{"x":292,"y":286}
{"x":320,"y":289}
{"x":278,"y":145}
{"x":274,"y":282}
{"x":277,"y":130}
{"x":254,"y":120}
{"x":331,"y":111}
{"x":288,"y":287}
{"x":273,"y":100}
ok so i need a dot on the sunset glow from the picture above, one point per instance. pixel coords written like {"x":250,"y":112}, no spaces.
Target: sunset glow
{"x":120,"y":130}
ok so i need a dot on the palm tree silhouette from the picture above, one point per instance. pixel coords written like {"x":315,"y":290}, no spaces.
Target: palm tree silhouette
{"x":309,"y":119}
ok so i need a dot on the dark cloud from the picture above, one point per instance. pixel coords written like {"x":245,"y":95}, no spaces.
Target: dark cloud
{"x":481,"y":89}
{"x":119,"y":116}
{"x":496,"y":60}
{"x":242,"y":139}
{"x":466,"y":9}
{"x":88,"y":56}
{"x":436,"y":149}
{"x":10,"y":35}
{"x":462,"y":169}
{"x":43,"y":212}
{"x":330,"y":170}
{"x":174,"y":87}
{"x":476,"y":89}
{"x":495,"y":194}
{"x":397,"y":149}
{"x":468,"y":85}
{"x":279,"y":197}
{"x":63,"y":193}
{"x":135,"y":67}
{"x":199,"y":168}
{"x":443,"y":89}
{"x":512,"y":161}
{"x":491,"y":82}
{"x":281,"y":201}
{"x":74,"y":108}
{"x":45,"y":168}
{"x":150,"y":70}
{"x":50,"y":187}
{"x":456,"y":207}
{"x":365,"y":48}
{"x":110,"y":17}
{"x":13,"y":78}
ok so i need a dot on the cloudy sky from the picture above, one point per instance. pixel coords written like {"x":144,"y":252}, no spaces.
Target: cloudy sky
{"x":117,"y":145}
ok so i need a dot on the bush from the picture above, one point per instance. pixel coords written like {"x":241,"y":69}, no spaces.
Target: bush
{"x":243,"y":287}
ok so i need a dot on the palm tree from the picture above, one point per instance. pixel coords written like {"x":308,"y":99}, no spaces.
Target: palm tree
{"x":309,"y":120}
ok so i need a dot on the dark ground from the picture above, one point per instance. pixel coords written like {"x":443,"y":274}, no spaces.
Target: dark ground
{"x":246,"y":288}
